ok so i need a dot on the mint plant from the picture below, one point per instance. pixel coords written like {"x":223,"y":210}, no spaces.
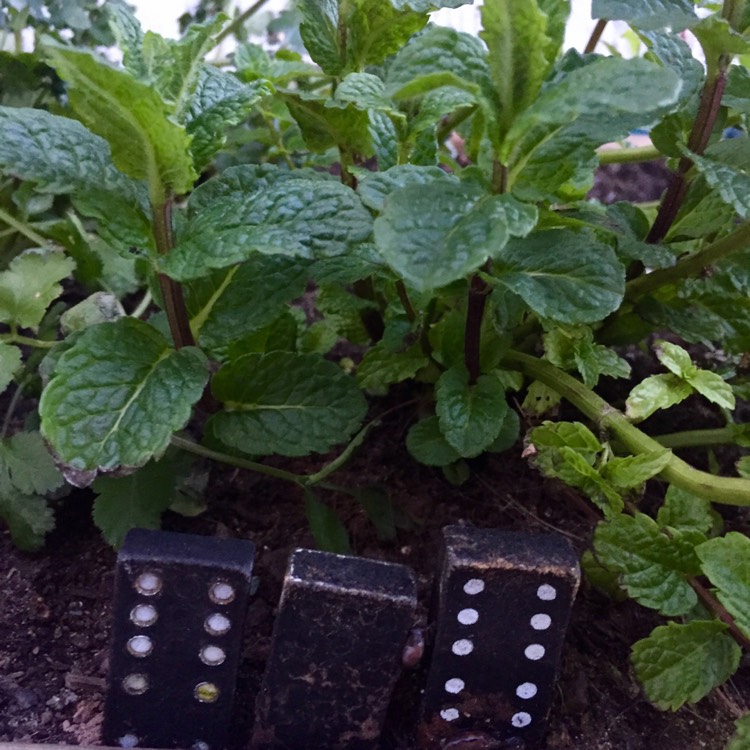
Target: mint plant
{"x":425,"y":189}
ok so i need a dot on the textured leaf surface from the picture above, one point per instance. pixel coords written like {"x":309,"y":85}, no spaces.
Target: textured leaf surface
{"x":117,"y":395}
{"x":380,"y":368}
{"x":135,"y":501}
{"x":278,"y":214}
{"x":10,"y":361}
{"x":567,"y":434}
{"x":375,"y":187}
{"x":291,"y":404}
{"x":633,"y":471}
{"x":562,"y":275}
{"x":28,"y":517}
{"x":428,"y":445}
{"x":437,"y":233}
{"x":685,"y":511}
{"x":654,"y":393}
{"x":233,"y":302}
{"x":647,"y":14}
{"x":652,"y":566}
{"x":726,"y":562}
{"x":130,"y":115}
{"x":30,"y":284}
{"x":680,"y":664}
{"x":470,"y":416}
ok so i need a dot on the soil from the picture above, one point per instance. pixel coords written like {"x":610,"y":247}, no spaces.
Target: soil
{"x":55,"y":604}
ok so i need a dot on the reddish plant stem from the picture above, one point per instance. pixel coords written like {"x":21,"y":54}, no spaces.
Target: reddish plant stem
{"x":596,"y":35}
{"x":699,"y":137}
{"x":718,"y":609}
{"x":478,"y":291}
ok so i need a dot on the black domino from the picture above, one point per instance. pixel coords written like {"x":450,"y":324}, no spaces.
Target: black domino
{"x":503,"y":606}
{"x":179,"y":611}
{"x":336,"y":653}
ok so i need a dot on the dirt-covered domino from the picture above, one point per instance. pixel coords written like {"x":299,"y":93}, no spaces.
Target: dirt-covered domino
{"x":503,"y":605}
{"x":179,"y":609}
{"x":336,"y":653}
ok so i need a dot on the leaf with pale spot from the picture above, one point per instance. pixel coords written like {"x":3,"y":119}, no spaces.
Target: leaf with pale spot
{"x":682,"y":663}
{"x":116,"y":396}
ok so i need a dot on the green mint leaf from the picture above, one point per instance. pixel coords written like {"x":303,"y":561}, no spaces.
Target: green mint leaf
{"x":375,"y":187}
{"x":652,"y":566}
{"x":687,"y":512}
{"x":60,"y":156}
{"x":135,"y":501}
{"x":540,"y":399}
{"x":509,"y":432}
{"x":470,"y":416}
{"x":30,"y":284}
{"x":569,"y":277}
{"x":726,"y":562}
{"x":682,"y":663}
{"x":633,"y":471}
{"x":439,"y":57}
{"x":290,"y":404}
{"x":654,"y":393}
{"x":567,"y":434}
{"x":26,"y":465}
{"x":717,"y":38}
{"x":713,"y":387}
{"x":380,"y":367}
{"x":10,"y":362}
{"x":427,"y":444}
{"x":385,"y":139}
{"x":320,"y":33}
{"x":675,"y":359}
{"x":100,"y":307}
{"x":116,"y":396}
{"x":743,"y":466}
{"x":230,"y":303}
{"x":129,"y":37}
{"x":29,"y":518}
{"x":731,"y":181}
{"x":329,"y":532}
{"x":647,"y":14}
{"x":376,"y":502}
{"x":130,"y":115}
{"x":219,"y":102}
{"x":437,"y":233}
{"x":737,"y":91}
{"x":740,"y":740}
{"x":278,"y":213}
{"x":516,"y":37}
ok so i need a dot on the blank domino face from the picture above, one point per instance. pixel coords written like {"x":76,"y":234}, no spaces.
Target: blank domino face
{"x":336,"y":653}
{"x":179,"y":610}
{"x":504,"y":603}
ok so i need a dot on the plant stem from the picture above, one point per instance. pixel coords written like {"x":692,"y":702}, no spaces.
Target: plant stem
{"x":702,"y":128}
{"x":405,"y":301}
{"x":698,"y":438}
{"x":727,"y":490}
{"x":12,"y":408}
{"x":142,"y":306}
{"x":596,"y":35}
{"x":718,"y":609}
{"x":477,"y":300}
{"x":240,"y":463}
{"x":17,"y":338}
{"x":629,"y":155}
{"x":24,"y":229}
{"x":238,"y":22}
{"x":171,"y":291}
{"x":691,"y":266}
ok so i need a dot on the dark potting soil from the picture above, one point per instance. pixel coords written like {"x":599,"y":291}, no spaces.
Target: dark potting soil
{"x":55,"y":605}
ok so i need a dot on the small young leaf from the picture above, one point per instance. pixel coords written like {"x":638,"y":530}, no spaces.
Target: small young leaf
{"x":10,"y":361}
{"x":130,"y":115}
{"x":740,"y":740}
{"x":291,"y":404}
{"x":329,"y":533}
{"x":562,"y":275}
{"x":633,"y":471}
{"x":713,"y":387}
{"x":676,"y":360}
{"x":684,"y":511}
{"x":654,"y":393}
{"x":437,"y":233}
{"x":540,"y":399}
{"x":28,"y":517}
{"x":30,"y":284}
{"x":26,"y":466}
{"x":726,"y":562}
{"x":653,"y":566}
{"x":428,"y":445}
{"x":682,"y":663}
{"x":571,"y":434}
{"x":135,"y":501}
{"x":380,"y":368}
{"x":470,"y":416}
{"x":117,"y":395}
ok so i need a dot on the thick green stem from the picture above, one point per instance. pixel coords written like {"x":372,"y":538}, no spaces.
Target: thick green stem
{"x":24,"y":229}
{"x":699,"y":438}
{"x":629,"y":155}
{"x":727,"y":490}
{"x":691,"y":266}
{"x":171,"y":291}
